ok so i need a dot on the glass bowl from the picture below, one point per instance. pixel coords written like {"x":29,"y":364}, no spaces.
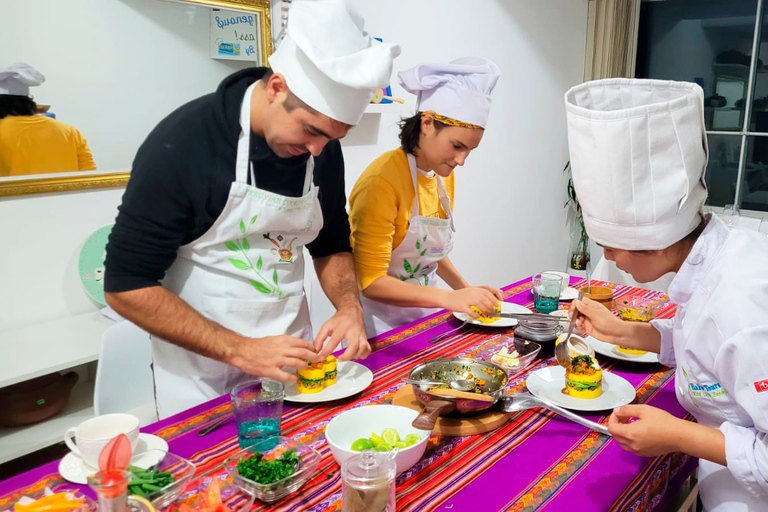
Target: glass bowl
{"x":308,"y":461}
{"x":162,"y":461}
{"x":195,"y":494}
{"x":90,"y":505}
{"x":492,"y":352}
{"x":636,"y":308}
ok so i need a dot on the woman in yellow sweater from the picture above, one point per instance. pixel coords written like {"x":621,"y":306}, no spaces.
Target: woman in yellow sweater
{"x":31,"y":143}
{"x":401,"y":207}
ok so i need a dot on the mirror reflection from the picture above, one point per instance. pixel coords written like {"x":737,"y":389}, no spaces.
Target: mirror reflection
{"x":97,"y":77}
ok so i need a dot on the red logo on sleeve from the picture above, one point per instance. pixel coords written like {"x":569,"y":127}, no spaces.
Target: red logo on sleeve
{"x":761,"y":385}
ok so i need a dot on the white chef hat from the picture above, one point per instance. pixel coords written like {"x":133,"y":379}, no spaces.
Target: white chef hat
{"x":638,"y":154}
{"x":17,"y":78}
{"x":460,"y":90}
{"x":329,"y":61}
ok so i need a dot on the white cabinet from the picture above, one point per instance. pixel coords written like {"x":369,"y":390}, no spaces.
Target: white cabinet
{"x":42,"y":349}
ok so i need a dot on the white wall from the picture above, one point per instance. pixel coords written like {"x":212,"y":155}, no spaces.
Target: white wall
{"x":509,"y":198}
{"x":510,"y":219}
{"x":113,"y":68}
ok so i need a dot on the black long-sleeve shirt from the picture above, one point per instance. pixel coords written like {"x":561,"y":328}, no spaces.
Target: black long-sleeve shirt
{"x":180,"y":182}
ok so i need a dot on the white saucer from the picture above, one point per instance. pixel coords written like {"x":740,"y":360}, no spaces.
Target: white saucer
{"x":548,"y":383}
{"x":74,"y":469}
{"x":569,"y":294}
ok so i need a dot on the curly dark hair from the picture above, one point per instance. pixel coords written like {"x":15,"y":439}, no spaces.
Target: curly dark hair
{"x":12,"y":105}
{"x":410,"y":128}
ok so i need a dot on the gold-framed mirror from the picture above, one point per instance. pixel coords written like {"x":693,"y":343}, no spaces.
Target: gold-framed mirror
{"x":115,"y":72}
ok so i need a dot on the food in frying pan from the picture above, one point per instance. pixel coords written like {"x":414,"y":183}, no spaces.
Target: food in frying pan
{"x":584,"y":378}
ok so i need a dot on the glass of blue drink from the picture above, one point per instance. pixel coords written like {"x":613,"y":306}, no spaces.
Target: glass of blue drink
{"x":258,"y":408}
{"x":546,"y":292}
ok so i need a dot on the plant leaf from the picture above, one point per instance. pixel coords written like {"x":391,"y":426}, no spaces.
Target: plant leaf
{"x":253,"y":219}
{"x":239,"y":264}
{"x":242,"y":227}
{"x":418,"y":244}
{"x":232,"y":246}
{"x":246,"y":245}
{"x":422,"y":252}
{"x":425,"y":238}
{"x":259,"y":286}
{"x":417,"y":268}
{"x":407,"y":267}
{"x":259,"y":263}
{"x":426,"y":280}
{"x":274,"y":275}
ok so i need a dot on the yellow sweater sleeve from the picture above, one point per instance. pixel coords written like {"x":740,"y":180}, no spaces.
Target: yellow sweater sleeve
{"x":380,"y":209}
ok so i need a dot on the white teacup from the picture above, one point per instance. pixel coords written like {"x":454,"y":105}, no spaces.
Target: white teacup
{"x":91,"y":436}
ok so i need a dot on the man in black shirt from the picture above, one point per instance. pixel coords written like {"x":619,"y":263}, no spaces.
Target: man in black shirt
{"x":222,"y":198}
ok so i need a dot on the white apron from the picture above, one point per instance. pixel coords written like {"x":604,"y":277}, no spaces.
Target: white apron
{"x":245,"y":273}
{"x":414,"y":261}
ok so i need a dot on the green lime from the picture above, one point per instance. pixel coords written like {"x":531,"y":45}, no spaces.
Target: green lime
{"x":361,"y":444}
{"x":401,"y":444}
{"x":376,"y":440}
{"x":390,"y":435}
{"x":383,"y":447}
{"x":412,"y":439}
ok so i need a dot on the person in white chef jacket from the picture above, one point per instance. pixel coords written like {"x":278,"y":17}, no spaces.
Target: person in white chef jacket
{"x":232,"y":300}
{"x":639,"y":151}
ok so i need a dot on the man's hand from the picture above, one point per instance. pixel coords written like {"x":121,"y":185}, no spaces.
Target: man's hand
{"x":266,"y":357}
{"x":347,"y":324}
{"x":645,"y":430}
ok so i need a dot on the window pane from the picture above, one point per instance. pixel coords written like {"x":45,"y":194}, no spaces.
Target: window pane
{"x":754,"y":188}
{"x":759,"y":119}
{"x":723,"y":168}
{"x":702,"y":41}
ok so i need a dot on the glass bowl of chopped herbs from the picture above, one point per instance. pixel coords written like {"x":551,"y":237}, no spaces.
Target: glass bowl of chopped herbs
{"x":272,"y":471}
{"x":159,"y":476}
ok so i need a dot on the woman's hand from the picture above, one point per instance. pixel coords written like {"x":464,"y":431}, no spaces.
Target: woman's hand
{"x":645,"y":430}
{"x":461,"y":301}
{"x":598,"y":321}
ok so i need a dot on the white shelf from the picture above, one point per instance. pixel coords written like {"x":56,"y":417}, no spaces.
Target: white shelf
{"x":18,"y":441}
{"x":51,"y":346}
{"x":383,"y":108}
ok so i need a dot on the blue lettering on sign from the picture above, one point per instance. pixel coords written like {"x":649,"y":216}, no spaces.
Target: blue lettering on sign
{"x":234,"y":20}
{"x":250,"y":50}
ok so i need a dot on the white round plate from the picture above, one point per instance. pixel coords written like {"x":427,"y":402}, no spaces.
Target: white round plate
{"x":548,"y":383}
{"x":506,"y":307}
{"x":569,"y":294}
{"x":610,"y":350}
{"x":74,"y":469}
{"x":351,"y":378}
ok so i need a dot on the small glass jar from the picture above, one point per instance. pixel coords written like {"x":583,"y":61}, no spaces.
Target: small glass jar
{"x":543,"y":333}
{"x":368,"y":483}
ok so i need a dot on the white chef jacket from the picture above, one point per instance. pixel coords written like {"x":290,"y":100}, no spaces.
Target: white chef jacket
{"x":718,"y":342}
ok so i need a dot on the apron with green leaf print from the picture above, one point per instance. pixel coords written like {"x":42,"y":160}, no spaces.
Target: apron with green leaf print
{"x":245,"y":273}
{"x":414,"y":261}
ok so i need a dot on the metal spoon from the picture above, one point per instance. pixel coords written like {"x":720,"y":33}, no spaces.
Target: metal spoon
{"x":516,"y":402}
{"x":561,"y":349}
{"x":458,"y":384}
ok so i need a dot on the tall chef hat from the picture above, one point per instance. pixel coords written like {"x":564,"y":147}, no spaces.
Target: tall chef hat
{"x":17,"y":78}
{"x":638,"y":153}
{"x":460,"y":90}
{"x":329,"y":61}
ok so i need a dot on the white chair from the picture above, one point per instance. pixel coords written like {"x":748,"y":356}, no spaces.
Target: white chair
{"x":124,"y":380}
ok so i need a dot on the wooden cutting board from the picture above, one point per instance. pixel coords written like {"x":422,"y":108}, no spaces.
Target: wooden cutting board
{"x":466,"y":426}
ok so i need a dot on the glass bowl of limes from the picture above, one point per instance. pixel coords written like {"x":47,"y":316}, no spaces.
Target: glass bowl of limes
{"x":377,"y":427}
